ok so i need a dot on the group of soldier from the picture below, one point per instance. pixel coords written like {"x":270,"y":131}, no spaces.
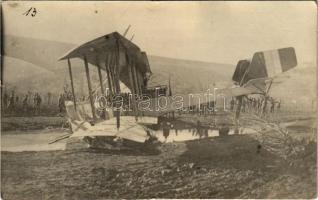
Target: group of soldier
{"x":260,"y":105}
{"x":14,"y":103}
{"x":31,"y":103}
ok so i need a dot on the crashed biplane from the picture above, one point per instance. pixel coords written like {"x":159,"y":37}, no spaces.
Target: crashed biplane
{"x":126,"y":64}
{"x":123,"y":62}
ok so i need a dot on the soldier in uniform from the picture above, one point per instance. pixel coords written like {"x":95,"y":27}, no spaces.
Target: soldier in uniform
{"x":199,"y":128}
{"x":5,"y":101}
{"x":35,"y":97}
{"x":254,"y":104}
{"x":16,"y":100}
{"x":11,"y":103}
{"x":61,"y":103}
{"x":272,"y":105}
{"x":243,"y":105}
{"x":49,"y":96}
{"x":232,"y":102}
{"x":166,"y":129}
{"x":38,"y":102}
{"x":25,"y":104}
{"x":278,"y":105}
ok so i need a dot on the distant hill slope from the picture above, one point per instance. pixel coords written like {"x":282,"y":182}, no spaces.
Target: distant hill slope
{"x":297,"y":87}
{"x":189,"y":76}
{"x":186,"y":76}
{"x":43,"y":53}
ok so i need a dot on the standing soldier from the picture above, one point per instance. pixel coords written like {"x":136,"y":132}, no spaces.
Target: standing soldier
{"x":261,"y":105}
{"x":35,"y":98}
{"x":38,"y":102}
{"x":199,"y":127}
{"x":272,"y":105}
{"x":61,"y":103}
{"x":5,"y":101}
{"x":254,"y":104}
{"x":35,"y":103}
{"x":11,"y":102}
{"x":166,"y":129}
{"x":25,"y":104}
{"x":30,"y":98}
{"x":16,"y":103}
{"x":249,"y":104}
{"x":232,"y":102}
{"x":243,"y":104}
{"x":49,"y":96}
{"x":16,"y":100}
{"x":213,"y":107}
{"x":264,"y":105}
{"x":278,"y":105}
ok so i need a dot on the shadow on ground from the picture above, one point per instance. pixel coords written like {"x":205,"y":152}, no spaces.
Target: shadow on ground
{"x":236,"y":151}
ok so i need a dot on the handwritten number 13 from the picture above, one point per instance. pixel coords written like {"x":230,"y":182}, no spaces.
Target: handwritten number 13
{"x":32,"y":11}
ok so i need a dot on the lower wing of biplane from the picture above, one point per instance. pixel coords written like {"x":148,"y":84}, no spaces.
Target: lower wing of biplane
{"x":83,"y":124}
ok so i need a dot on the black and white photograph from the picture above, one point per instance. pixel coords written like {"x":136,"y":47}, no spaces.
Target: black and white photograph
{"x":158,"y":100}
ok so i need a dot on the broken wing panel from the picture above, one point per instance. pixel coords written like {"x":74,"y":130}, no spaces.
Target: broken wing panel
{"x":256,"y":86}
{"x":235,"y":91}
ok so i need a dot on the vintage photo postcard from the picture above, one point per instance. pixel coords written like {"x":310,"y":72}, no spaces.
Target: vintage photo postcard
{"x":163,"y":100}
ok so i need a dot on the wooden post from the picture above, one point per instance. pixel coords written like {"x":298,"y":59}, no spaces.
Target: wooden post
{"x":108,"y":74}
{"x":89,"y":88}
{"x":72,"y":84}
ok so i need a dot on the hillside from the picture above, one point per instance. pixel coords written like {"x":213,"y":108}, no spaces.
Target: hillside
{"x":42,"y":71}
{"x":297,"y":88}
{"x":186,"y":76}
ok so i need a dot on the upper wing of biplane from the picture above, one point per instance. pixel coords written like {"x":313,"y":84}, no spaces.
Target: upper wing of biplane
{"x":115,"y":53}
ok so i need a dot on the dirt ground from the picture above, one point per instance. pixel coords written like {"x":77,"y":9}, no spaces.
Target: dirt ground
{"x":220,"y":167}
{"x":236,"y":166}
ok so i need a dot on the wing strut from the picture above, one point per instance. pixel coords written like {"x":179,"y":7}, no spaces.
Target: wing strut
{"x":126,"y":31}
{"x":89,"y":88}
{"x":72,"y":84}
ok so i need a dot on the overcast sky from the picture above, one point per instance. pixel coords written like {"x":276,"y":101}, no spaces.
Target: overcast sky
{"x":208,"y":31}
